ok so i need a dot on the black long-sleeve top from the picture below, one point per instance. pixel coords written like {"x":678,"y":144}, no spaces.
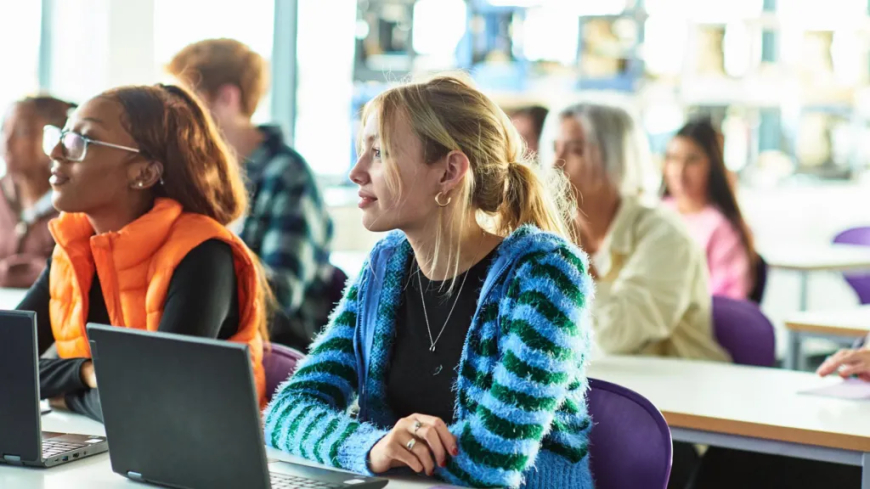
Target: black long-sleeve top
{"x":202,"y":300}
{"x":421,"y":380}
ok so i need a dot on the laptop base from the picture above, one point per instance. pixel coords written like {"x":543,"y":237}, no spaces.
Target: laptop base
{"x":283,"y":474}
{"x":60,"y":448}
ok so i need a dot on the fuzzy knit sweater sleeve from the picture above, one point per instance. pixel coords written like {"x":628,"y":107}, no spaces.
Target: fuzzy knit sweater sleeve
{"x":308,"y":415}
{"x":543,"y":349}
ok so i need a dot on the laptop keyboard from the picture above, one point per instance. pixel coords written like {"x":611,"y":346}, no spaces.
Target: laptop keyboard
{"x":284,"y":481}
{"x":50,"y":448}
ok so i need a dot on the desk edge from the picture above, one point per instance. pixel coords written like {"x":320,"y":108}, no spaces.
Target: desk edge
{"x":768,"y":432}
{"x":804,"y":327}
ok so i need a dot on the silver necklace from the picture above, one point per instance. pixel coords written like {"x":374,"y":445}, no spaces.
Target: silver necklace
{"x":434,"y":343}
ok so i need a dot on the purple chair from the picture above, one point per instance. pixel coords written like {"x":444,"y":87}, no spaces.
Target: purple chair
{"x":630,"y":442}
{"x":279,"y":362}
{"x":744,"y":331}
{"x":860,"y":282}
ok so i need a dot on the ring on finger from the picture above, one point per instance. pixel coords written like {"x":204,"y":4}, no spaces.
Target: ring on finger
{"x":417,"y":425}
{"x":411,"y":443}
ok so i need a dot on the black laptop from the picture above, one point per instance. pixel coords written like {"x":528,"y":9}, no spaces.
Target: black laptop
{"x":22,"y":441}
{"x":182,"y":412}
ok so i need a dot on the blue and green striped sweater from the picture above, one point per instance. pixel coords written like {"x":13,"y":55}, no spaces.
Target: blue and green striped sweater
{"x":520,"y":404}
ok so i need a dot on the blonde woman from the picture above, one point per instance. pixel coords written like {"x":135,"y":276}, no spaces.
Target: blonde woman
{"x":651,"y":277}
{"x":466,"y":335}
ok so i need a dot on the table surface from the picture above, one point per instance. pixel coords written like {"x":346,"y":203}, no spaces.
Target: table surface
{"x":831,"y":257}
{"x":745,"y":401}
{"x":852,"y":322}
{"x":9,"y":298}
{"x":96,"y":472}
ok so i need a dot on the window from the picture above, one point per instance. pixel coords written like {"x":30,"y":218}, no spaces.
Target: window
{"x":99,"y":44}
{"x":19,"y":32}
{"x":439,"y":25}
{"x":324,"y":95}
{"x":550,"y":34}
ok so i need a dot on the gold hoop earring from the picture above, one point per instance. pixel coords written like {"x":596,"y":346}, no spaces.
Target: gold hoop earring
{"x":438,"y":200}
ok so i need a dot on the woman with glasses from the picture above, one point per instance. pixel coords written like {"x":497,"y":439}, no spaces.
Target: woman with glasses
{"x":145,"y":187}
{"x":25,"y":197}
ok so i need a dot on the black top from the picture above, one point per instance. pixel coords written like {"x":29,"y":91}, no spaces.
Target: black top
{"x":421,"y":381}
{"x":202,"y":300}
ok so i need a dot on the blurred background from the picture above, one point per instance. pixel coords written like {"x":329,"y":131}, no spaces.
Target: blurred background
{"x":787,"y":81}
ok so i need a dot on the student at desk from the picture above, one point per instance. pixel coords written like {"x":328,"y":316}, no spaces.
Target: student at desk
{"x":25,"y":196}
{"x":145,"y":186}
{"x":696,"y":186}
{"x":651,"y":283}
{"x":286,"y":224}
{"x":466,"y":335}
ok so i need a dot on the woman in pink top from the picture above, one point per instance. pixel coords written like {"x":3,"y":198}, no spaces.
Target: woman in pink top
{"x":696,"y":185}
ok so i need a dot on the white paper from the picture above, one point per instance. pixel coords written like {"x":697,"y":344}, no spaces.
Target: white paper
{"x":854,"y":389}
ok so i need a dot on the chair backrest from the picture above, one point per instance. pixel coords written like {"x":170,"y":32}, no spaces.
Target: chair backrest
{"x":757,"y":292}
{"x":630,"y":442}
{"x":279,"y":362}
{"x":860,"y":282}
{"x":744,"y":331}
{"x":294,"y":331}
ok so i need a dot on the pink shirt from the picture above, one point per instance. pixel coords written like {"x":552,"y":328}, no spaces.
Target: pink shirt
{"x":727,"y":260}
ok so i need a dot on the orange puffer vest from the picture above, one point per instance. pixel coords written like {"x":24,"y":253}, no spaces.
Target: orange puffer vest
{"x":135,"y":266}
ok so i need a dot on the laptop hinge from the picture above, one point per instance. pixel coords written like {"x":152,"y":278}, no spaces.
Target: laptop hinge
{"x":136,"y":476}
{"x":12,"y":459}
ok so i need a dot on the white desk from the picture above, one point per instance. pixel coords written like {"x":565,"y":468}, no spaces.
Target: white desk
{"x":851,"y":323}
{"x":747,"y":408}
{"x":841,"y":326}
{"x":832,"y":257}
{"x":9,"y":298}
{"x":96,"y":472}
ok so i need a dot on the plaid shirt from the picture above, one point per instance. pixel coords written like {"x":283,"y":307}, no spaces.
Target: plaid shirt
{"x":289,"y":229}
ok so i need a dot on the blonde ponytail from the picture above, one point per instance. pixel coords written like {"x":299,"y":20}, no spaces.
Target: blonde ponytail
{"x":540,"y":200}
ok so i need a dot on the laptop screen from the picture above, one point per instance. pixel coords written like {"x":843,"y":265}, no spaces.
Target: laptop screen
{"x":19,"y":387}
{"x":179,"y":410}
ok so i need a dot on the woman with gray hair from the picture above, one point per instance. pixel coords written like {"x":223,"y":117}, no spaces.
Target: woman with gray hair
{"x":652,"y":296}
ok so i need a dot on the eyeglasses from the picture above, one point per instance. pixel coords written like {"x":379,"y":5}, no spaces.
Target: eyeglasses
{"x":73,"y":145}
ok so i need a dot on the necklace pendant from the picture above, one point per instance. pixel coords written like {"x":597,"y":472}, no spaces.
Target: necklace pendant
{"x":432,"y":348}
{"x":437,"y":370}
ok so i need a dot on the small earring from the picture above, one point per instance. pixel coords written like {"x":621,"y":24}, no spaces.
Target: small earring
{"x":140,"y":184}
{"x":438,"y":200}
